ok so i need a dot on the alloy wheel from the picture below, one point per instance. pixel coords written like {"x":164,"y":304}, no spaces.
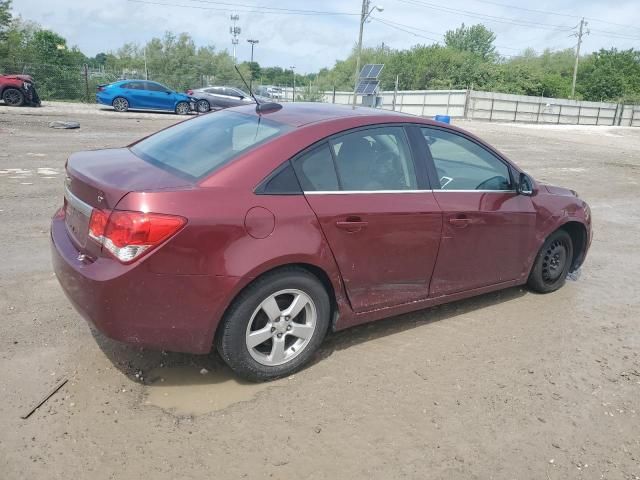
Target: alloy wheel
{"x":281,"y":327}
{"x":120,"y":104}
{"x":182,"y":108}
{"x":203,"y":106}
{"x":13,"y":97}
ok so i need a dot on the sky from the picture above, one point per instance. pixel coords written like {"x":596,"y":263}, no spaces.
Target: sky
{"x":311,"y":41}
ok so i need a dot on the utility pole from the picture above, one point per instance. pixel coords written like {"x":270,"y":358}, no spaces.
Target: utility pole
{"x":146,"y":72}
{"x":580,"y":34}
{"x":253,"y":43}
{"x":235,"y":32}
{"x":293,"y":71}
{"x":363,"y":18}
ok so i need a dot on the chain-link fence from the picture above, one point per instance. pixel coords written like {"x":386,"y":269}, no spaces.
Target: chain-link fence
{"x":79,"y":83}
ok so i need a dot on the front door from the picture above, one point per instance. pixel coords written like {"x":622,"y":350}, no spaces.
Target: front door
{"x":381,"y":224}
{"x":158,"y":96}
{"x":487,"y":227}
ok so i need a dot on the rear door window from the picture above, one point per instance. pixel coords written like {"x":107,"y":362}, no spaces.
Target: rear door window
{"x":315,"y":170}
{"x":195,"y":148}
{"x":134,"y":86}
{"x":374,"y":159}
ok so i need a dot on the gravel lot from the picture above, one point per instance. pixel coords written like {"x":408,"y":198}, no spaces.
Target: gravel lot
{"x":510,"y":385}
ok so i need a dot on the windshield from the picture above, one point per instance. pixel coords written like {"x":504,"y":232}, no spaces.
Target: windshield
{"x":197,"y":147}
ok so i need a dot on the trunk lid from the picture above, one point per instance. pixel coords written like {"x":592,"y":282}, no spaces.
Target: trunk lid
{"x":100,"y":179}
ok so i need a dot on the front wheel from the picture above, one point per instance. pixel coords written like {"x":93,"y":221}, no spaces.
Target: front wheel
{"x":203,"y":106}
{"x":275,"y":326}
{"x":13,"y":97}
{"x":183,"y":108}
{"x":552,"y":264}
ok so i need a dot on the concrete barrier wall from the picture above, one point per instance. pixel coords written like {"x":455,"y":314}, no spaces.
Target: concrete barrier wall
{"x":501,"y":107}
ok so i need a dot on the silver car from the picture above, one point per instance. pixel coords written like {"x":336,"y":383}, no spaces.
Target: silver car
{"x":217,"y":98}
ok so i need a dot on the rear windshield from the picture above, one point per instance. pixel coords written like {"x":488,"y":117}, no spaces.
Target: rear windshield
{"x":197,"y":147}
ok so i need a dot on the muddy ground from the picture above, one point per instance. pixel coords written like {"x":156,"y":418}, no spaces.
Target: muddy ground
{"x":510,"y":385}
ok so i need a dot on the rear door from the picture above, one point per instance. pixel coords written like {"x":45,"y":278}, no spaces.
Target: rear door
{"x":136,"y":94}
{"x":381,"y":221}
{"x":487,"y":227}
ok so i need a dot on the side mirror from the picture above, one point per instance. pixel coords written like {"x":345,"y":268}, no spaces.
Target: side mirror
{"x":525,"y":185}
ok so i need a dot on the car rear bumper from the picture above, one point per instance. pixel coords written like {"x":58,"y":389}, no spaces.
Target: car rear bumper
{"x":131,"y":304}
{"x":103,"y":99}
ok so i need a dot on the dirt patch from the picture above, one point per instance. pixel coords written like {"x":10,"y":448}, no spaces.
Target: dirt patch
{"x":506,"y":385}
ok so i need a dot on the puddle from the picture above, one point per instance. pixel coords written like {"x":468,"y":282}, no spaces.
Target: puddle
{"x":185,"y":391}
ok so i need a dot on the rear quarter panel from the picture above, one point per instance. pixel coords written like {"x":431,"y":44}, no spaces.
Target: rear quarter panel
{"x":216,"y":241}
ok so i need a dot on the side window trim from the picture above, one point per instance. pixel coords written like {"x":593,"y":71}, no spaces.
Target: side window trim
{"x":431,"y":166}
{"x":422,"y":178}
{"x":335,"y":164}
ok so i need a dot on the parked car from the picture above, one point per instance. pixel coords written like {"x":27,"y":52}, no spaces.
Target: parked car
{"x":217,"y":98}
{"x":258,"y":232}
{"x":269,"y":91}
{"x":18,"y":90}
{"x":143,"y":95}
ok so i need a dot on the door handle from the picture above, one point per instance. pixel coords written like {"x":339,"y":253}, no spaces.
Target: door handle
{"x":460,"y":222}
{"x":352,"y":226}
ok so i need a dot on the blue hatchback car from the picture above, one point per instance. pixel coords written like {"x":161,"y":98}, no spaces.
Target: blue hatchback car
{"x":143,"y":95}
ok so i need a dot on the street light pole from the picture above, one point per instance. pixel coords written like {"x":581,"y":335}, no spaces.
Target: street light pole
{"x":363,"y":18}
{"x":293,"y":96}
{"x":253,"y":43}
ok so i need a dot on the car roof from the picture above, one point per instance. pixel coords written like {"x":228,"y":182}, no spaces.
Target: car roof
{"x":299,"y":114}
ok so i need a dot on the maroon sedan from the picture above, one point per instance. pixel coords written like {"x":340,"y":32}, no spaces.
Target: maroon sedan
{"x":257,"y":232}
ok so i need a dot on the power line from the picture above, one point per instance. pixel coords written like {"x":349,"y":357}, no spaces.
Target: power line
{"x":277,"y":12}
{"x":548,"y":12}
{"x":488,"y":18}
{"x":265,"y":7}
{"x":395,"y":26}
{"x":400,"y":25}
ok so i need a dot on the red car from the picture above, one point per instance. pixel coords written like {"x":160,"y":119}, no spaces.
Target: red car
{"x":258,"y":232}
{"x":18,"y":90}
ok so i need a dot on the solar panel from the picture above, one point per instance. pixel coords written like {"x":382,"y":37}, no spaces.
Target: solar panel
{"x":375,"y":70}
{"x":365,"y":71}
{"x":371,"y":70}
{"x":367,"y":87}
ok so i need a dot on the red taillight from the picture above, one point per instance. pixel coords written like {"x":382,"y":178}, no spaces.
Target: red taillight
{"x":127,"y":235}
{"x":100,"y":88}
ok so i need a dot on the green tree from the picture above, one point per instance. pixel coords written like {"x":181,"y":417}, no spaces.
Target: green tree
{"x":476,"y":39}
{"x":5,"y":17}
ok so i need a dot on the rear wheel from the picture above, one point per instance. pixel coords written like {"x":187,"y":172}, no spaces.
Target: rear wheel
{"x":203,"y":106}
{"x":182,"y":108}
{"x":275,"y":326}
{"x":13,"y":97}
{"x":552,"y":263}
{"x":120,"y":104}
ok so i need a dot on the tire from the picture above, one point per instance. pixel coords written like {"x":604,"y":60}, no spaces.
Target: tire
{"x":13,"y":97}
{"x":552,"y":264}
{"x":183,"y":108}
{"x":203,"y":106}
{"x":247,"y":322}
{"x":120,"y":104}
